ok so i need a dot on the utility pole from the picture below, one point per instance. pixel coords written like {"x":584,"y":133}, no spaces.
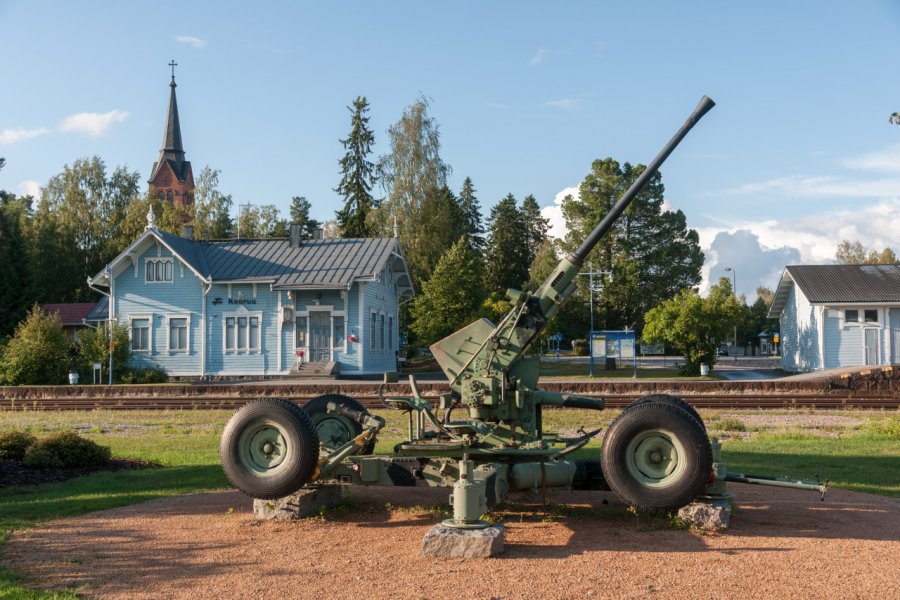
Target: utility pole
{"x":734,"y":291}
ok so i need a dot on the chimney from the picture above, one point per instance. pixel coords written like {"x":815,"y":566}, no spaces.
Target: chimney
{"x":296,"y":235}
{"x":187,"y":232}
{"x":318,"y":233}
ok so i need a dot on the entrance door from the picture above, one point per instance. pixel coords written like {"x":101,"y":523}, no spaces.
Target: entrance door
{"x":319,"y":336}
{"x":871,"y":346}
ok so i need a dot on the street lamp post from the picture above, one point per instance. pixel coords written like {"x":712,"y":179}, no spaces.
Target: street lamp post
{"x":734,"y":291}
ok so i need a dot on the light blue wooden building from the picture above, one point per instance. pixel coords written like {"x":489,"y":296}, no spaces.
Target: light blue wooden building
{"x":250,"y":307}
{"x":838,"y":316}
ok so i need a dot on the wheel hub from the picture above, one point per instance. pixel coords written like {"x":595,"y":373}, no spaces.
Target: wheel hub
{"x":653,"y":458}
{"x":263,"y":448}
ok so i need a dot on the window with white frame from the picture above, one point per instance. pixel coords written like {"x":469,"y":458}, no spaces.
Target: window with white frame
{"x":140,"y":334}
{"x":381,"y":333}
{"x":373,"y":318}
{"x":390,"y":332}
{"x":855,"y":316}
{"x":159,"y":270}
{"x":300,"y":341}
{"x":337,"y":329}
{"x":242,"y":332}
{"x":178,"y":334}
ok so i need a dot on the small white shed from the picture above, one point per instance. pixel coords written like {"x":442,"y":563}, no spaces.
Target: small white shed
{"x":838,"y":316}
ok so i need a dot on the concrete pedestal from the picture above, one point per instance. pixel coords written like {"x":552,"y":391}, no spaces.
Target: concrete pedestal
{"x":300,"y":504}
{"x":709,"y":515}
{"x":450,"y":542}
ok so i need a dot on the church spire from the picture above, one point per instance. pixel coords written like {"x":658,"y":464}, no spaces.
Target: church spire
{"x":171,"y":178}
{"x":172,"y":148}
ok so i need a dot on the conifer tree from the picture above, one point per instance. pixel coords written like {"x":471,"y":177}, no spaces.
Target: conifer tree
{"x":536,"y":226}
{"x":300,"y":208}
{"x":452,"y":297}
{"x":357,"y":174}
{"x":471,"y":211}
{"x":507,"y":251}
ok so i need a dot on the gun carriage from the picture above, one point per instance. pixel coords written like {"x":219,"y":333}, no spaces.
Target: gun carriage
{"x":485,"y":438}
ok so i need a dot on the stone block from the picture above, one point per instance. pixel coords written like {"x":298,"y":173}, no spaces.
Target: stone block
{"x":711,"y":515}
{"x":449,"y":542}
{"x":302,"y":503}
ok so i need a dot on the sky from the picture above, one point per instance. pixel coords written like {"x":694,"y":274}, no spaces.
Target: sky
{"x":797,"y":155}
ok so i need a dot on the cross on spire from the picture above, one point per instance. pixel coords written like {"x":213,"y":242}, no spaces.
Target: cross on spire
{"x":173,"y":64}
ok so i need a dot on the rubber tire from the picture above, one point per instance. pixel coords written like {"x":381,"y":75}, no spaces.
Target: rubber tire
{"x":300,"y":435}
{"x":317,"y":409}
{"x":674,"y":401}
{"x":685,"y":486}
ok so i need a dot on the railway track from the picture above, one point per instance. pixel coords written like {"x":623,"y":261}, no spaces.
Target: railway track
{"x":831,"y":400}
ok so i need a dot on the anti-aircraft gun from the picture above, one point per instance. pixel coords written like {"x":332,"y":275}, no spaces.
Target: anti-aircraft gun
{"x":655,"y":455}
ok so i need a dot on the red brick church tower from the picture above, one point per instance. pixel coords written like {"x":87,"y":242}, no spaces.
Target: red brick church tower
{"x":171,"y":178}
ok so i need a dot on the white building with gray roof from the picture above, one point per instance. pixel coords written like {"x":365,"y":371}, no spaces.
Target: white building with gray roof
{"x":258,"y":307}
{"x":838,"y":316}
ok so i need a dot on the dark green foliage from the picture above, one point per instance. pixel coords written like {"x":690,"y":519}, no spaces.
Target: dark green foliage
{"x":13,"y":444}
{"x":15,"y":276}
{"x":357,"y":175}
{"x":452,"y":297}
{"x":38,"y":353}
{"x":65,"y":449}
{"x":651,"y":252}
{"x":93,"y":347}
{"x":473,"y":228}
{"x":507,"y":252}
{"x":580,"y":347}
{"x":536,"y":227}
{"x":144,"y":376}
{"x":693,"y":325}
{"x":300,"y":208}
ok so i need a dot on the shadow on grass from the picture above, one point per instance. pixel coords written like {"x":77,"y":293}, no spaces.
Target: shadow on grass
{"x":26,"y":505}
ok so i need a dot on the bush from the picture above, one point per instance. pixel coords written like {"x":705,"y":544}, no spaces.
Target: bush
{"x":65,"y":449}
{"x":580,"y":348}
{"x":38,"y":353}
{"x":145,"y":376}
{"x":13,"y":444}
{"x":93,"y":347}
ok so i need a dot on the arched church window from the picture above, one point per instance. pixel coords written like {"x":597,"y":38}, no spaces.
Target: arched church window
{"x":161,"y":195}
{"x":169,"y":195}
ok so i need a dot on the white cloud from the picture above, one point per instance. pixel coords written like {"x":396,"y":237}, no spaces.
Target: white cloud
{"x":539,"y":57}
{"x":191,"y":40}
{"x":554,"y":212}
{"x":30,"y":187}
{"x":886,"y":160}
{"x":564,"y":103}
{"x":19,"y":134}
{"x":811,"y":239}
{"x":818,"y":187}
{"x":93,"y":124}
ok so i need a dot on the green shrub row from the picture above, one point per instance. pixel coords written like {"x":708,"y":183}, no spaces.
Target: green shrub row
{"x":64,"y":449}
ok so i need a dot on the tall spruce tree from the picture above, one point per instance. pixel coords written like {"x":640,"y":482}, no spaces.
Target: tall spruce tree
{"x":507,"y":250}
{"x":357,"y":174}
{"x":650,"y":252}
{"x":472,"y":220}
{"x":536,"y":226}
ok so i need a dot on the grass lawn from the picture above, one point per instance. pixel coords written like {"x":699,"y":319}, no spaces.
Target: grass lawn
{"x":858,"y":450}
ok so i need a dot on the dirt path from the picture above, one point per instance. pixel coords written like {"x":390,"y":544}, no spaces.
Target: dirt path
{"x":782,"y":544}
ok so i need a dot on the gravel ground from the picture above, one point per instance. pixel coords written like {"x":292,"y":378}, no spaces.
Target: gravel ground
{"x":782,"y":544}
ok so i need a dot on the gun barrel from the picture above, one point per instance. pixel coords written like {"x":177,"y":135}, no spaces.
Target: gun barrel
{"x":588,"y":244}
